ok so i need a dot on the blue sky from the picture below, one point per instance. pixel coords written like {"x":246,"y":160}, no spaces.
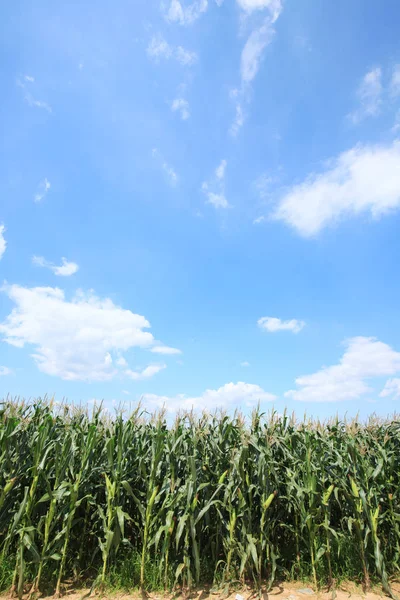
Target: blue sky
{"x":200,"y":204}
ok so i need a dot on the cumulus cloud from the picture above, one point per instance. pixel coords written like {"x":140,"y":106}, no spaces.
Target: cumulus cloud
{"x":146,"y":373}
{"x":229,"y":396}
{"x":3,"y":243}
{"x":215,"y":190}
{"x":42,"y":191}
{"x":159,"y":48}
{"x":185,"y":15}
{"x":182,"y":106}
{"x":78,"y":339}
{"x":369,"y":96}
{"x":365,"y":179}
{"x":363,"y":359}
{"x":65,"y":269}
{"x":273,"y":324}
{"x":392,"y":388}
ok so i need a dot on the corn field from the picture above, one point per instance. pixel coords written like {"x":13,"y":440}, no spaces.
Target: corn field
{"x":212,"y":500}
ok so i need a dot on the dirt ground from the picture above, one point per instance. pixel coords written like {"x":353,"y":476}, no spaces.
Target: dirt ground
{"x":296,"y":591}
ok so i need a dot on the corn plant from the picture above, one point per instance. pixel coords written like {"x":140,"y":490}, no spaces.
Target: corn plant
{"x":206,"y":499}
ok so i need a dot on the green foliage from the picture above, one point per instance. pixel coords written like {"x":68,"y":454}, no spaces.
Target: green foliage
{"x":131,"y":502}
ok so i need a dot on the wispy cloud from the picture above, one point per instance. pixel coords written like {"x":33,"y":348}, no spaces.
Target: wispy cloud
{"x":4,"y":371}
{"x":169,"y":171}
{"x":395,"y":82}
{"x":177,"y":12}
{"x":253,"y":50}
{"x":185,"y":57}
{"x":43,"y":188}
{"x":396,"y":126}
{"x":253,"y":53}
{"x":220,"y":170}
{"x":391,"y":389}
{"x":215,"y":189}
{"x":273,"y":324}
{"x":245,"y":364}
{"x":182,"y":106}
{"x":28,"y":96}
{"x":369,"y":95}
{"x":364,"y":358}
{"x":146,"y":373}
{"x":250,"y":6}
{"x":3,"y":243}
{"x":165,"y":350}
{"x":365,"y":179}
{"x":239,"y":116}
{"x":159,"y":48}
{"x":64,"y":270}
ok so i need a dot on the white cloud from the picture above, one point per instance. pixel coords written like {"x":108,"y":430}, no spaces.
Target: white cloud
{"x":121,"y":362}
{"x":245,"y":364}
{"x":43,"y":189}
{"x":259,"y":220}
{"x":185,"y":57}
{"x":216,"y":195}
{"x":273,"y":324}
{"x":395,"y":82}
{"x":65,"y":269}
{"x":229,"y":396}
{"x":159,"y":48}
{"x":181,"y":105}
{"x":79,"y":339}
{"x":363,"y":359}
{"x":392,"y":388}
{"x":5,"y":371}
{"x":370,"y":96}
{"x":38,"y":103}
{"x":252,"y":53}
{"x":253,"y":50}
{"x":365,"y":179}
{"x":165,"y":350}
{"x":217,"y":200}
{"x":220,"y":170}
{"x":3,"y":243}
{"x":238,"y":121}
{"x":273,"y":6}
{"x":263,"y":185}
{"x":146,"y":373}
{"x":126,"y":392}
{"x":177,"y":13}
{"x":168,"y":170}
{"x":28,"y":97}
